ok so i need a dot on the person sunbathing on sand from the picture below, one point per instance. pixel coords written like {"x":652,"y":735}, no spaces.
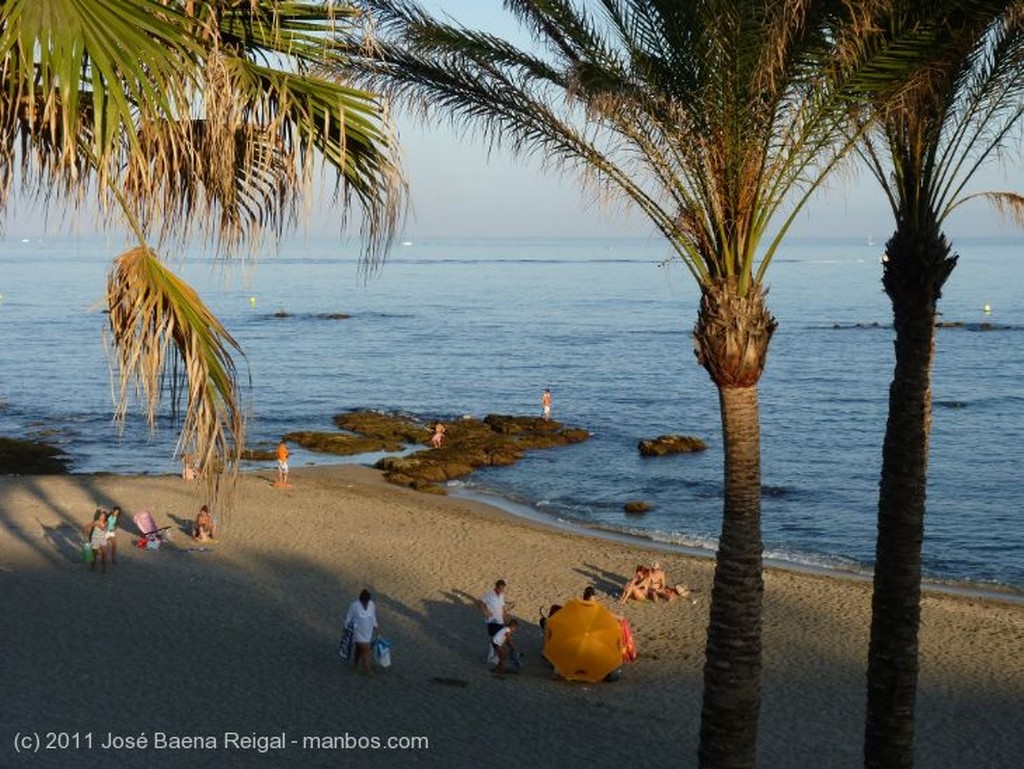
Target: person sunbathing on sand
{"x":658,"y":588}
{"x":649,"y":583}
{"x":202,"y":531}
{"x":639,"y":587}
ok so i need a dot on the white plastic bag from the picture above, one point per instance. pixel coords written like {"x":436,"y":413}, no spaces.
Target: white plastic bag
{"x":382,"y":653}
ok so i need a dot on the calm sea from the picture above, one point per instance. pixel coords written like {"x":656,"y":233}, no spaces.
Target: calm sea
{"x":456,"y":327}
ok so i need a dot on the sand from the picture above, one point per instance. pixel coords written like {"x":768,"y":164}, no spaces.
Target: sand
{"x":226,"y":656}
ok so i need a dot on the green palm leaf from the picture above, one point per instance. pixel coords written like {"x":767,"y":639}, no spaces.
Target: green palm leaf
{"x":186,"y":118}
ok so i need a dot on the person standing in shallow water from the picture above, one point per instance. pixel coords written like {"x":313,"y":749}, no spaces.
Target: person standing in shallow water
{"x":545,"y":402}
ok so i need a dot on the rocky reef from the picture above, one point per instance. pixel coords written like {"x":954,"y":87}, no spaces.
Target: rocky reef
{"x":670,"y":444}
{"x":469,"y":443}
{"x":20,"y":457}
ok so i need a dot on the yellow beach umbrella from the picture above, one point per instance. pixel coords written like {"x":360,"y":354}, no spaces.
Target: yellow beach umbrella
{"x":583,"y":640}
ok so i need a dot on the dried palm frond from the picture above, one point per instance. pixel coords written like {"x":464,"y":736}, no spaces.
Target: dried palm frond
{"x":158,"y":324}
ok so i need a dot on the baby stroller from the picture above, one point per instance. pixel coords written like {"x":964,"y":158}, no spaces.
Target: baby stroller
{"x":152,"y":536}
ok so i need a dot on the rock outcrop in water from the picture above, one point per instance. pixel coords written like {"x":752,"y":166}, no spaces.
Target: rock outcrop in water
{"x":496,"y":440}
{"x":637,"y":507}
{"x":670,"y":444}
{"x":18,"y":457}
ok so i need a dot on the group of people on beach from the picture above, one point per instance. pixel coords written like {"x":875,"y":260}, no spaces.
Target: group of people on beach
{"x":101,"y":534}
{"x":650,"y":584}
{"x":647,"y":583}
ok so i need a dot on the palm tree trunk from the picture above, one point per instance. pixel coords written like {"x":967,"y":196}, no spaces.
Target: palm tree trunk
{"x":731,"y":341}
{"x":732,"y":667}
{"x":914,"y":274}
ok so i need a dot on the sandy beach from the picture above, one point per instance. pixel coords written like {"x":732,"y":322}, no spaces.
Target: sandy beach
{"x":226,"y":655}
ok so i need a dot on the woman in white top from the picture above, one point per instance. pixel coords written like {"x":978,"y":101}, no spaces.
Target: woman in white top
{"x":362,"y":615}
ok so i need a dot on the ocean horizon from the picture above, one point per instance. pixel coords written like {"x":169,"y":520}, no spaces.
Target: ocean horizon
{"x":468,"y":326}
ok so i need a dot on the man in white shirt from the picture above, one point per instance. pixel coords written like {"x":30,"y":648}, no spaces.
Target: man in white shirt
{"x":492,"y":605}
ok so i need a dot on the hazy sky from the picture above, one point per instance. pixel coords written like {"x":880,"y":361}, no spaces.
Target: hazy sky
{"x":458,"y":189}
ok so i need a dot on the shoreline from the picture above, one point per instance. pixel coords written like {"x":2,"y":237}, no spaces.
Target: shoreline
{"x":240,"y":636}
{"x":524,"y":512}
{"x":965,"y":588}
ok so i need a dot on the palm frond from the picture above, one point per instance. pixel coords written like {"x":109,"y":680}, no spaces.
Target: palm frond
{"x":710,"y":116}
{"x":1010,"y":205}
{"x":158,"y":324}
{"x":77,"y":77}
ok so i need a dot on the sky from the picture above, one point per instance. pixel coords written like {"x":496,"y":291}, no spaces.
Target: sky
{"x":458,"y":188}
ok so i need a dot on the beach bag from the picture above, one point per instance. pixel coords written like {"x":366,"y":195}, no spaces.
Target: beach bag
{"x":345,"y":647}
{"x":382,"y":653}
{"x":628,"y":642}
{"x":87,"y":554}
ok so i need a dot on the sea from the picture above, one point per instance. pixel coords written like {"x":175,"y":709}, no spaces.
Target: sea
{"x":467,"y":327}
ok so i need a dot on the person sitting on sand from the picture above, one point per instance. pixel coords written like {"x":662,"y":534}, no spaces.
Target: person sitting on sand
{"x":639,"y":587}
{"x":658,"y":587}
{"x":203,"y":529}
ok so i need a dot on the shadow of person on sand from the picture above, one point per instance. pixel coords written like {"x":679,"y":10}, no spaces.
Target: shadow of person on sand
{"x":184,"y":524}
{"x":604,"y":581}
{"x":65,"y":539}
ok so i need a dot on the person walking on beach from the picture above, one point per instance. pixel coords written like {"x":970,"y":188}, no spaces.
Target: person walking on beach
{"x":111,"y":532}
{"x":545,"y":402}
{"x":362,"y":614}
{"x":96,"y":531}
{"x":282,"y":463}
{"x":492,"y":605}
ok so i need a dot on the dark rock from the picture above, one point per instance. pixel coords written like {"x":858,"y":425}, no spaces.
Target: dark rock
{"x":670,"y":444}
{"x":637,"y":507}
{"x":392,"y":428}
{"x":259,"y":454}
{"x":19,"y":457}
{"x":343,"y":445}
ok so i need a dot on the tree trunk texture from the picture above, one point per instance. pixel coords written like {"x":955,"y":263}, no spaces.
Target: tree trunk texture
{"x":731,"y":340}
{"x":915,"y":270}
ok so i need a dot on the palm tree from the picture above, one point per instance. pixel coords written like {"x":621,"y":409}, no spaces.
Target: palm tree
{"x":184,"y":118}
{"x":717,"y":118}
{"x":925,"y":149}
